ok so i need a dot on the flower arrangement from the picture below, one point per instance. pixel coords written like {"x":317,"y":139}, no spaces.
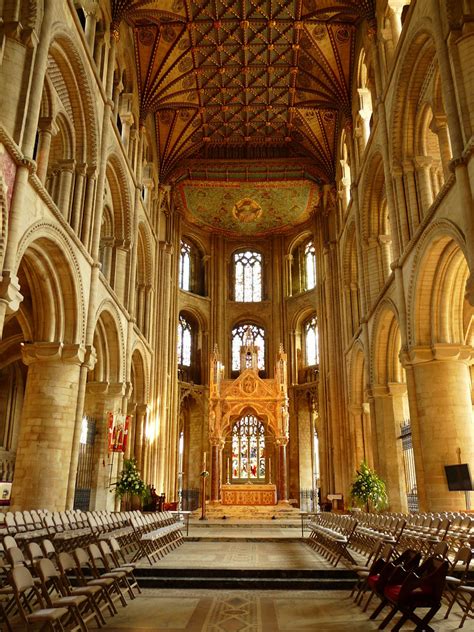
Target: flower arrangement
{"x":368,"y":489}
{"x":129,"y":481}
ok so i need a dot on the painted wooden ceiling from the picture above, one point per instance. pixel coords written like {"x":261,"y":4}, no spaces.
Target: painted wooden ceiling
{"x":252,"y":84}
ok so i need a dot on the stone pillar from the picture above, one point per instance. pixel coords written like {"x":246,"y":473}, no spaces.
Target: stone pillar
{"x":215,"y":471}
{"x":91,"y":24}
{"x":441,"y":418}
{"x":47,"y":426}
{"x":65,"y":186}
{"x":282,"y":443}
{"x":102,"y":398}
{"x":439,"y":126}
{"x":411,"y":195}
{"x":423,"y":164}
{"x":140,"y":424}
{"x":388,"y":412}
{"x":77,"y":206}
{"x":88,"y":206}
{"x":45,"y":135}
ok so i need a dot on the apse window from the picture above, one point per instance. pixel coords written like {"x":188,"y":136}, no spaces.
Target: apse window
{"x":248,"y":450}
{"x":241,"y":337}
{"x":247,"y":276}
{"x":311,"y":341}
{"x":184,"y":342}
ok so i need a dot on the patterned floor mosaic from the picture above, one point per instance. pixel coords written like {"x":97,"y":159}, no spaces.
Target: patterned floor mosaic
{"x":242,"y":554}
{"x":245,"y":611}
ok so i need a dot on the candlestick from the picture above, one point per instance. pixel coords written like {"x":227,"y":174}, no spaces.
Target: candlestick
{"x":228,"y":470}
{"x":269,"y":469}
{"x":204,"y":461}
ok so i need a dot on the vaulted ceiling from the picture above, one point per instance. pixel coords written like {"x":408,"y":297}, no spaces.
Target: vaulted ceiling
{"x":245,"y":80}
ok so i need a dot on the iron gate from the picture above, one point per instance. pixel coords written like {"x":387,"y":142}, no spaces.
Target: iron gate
{"x":85,"y":465}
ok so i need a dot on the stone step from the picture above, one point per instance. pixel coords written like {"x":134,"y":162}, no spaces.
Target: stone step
{"x":260,"y":579}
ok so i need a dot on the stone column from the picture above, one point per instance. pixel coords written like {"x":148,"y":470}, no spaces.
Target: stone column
{"x":91,"y":24}
{"x":45,"y":135}
{"x":47,"y":426}
{"x":88,"y":206}
{"x":215,"y":470}
{"x":441,"y":418}
{"x":423,"y":165}
{"x":102,"y":398}
{"x":282,"y":443}
{"x":388,"y":412}
{"x":140,"y":421}
{"x":439,"y":126}
{"x":411,"y":195}
{"x":77,"y":206}
{"x":65,"y":186}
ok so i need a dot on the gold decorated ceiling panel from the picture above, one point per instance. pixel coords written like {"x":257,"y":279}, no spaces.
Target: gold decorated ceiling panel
{"x":239,"y":207}
{"x":245,"y":79}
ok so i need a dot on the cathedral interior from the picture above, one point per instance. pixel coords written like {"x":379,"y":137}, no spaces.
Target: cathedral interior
{"x":236,"y":238}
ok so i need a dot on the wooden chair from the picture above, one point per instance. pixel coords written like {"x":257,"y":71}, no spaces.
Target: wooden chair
{"x":103,"y":569}
{"x":112,"y":563}
{"x":420,"y":589}
{"x":52,"y":619}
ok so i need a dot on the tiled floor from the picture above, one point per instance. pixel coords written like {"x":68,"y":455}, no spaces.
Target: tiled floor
{"x":242,"y":554}
{"x":250,"y":611}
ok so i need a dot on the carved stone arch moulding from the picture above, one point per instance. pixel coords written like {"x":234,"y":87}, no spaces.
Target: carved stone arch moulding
{"x":60,"y":36}
{"x":386,"y":306}
{"x":141,"y":349}
{"x":417,"y":41}
{"x":109,"y":306}
{"x":55,"y":234}
{"x":438,"y":229}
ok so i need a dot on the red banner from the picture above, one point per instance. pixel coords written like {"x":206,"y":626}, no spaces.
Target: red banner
{"x":118,"y":426}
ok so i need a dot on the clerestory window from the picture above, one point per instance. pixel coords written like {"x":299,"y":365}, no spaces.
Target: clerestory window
{"x":311,"y":336}
{"x":185,"y":339}
{"x":310,"y":266}
{"x":185,"y":267}
{"x":248,"y":276}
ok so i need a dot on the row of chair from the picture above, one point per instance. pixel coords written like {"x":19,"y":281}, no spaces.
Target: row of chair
{"x":331,"y":535}
{"x":144,"y":535}
{"x":63,"y":590}
{"x":444,"y":579}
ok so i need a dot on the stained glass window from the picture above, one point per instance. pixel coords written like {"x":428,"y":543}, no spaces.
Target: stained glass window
{"x":248,"y":276}
{"x":248,"y":449}
{"x":310,"y":265}
{"x":312,"y":341}
{"x":185,"y":267}
{"x":240,"y":336}
{"x":184,"y":342}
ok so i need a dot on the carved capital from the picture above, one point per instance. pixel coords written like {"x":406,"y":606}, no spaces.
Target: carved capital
{"x":53,"y":352}
{"x":10,"y":292}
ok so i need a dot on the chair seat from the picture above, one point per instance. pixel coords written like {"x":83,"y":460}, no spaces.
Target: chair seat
{"x":70,"y":600}
{"x":46,"y":614}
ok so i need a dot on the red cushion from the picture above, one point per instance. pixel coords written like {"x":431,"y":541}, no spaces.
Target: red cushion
{"x":372,"y":580}
{"x":392,"y":592}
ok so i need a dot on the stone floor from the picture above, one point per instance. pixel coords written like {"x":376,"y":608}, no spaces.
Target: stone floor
{"x":251,"y":611}
{"x":242,"y":554}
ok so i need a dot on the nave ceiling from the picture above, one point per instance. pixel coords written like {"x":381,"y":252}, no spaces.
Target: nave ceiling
{"x":260,"y":86}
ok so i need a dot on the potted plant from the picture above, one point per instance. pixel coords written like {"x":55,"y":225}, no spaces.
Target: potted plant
{"x":368,"y":489}
{"x":129,"y":486}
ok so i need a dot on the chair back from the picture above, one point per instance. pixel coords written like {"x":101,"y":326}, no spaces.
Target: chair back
{"x":15,"y":557}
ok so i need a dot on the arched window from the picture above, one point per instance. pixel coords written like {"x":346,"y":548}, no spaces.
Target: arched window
{"x":310,"y":266}
{"x":191,"y":268}
{"x":185,"y":340}
{"x":303,"y":267}
{"x":248,"y":450}
{"x":185,"y":267}
{"x":240,"y":335}
{"x":311,"y":338}
{"x":247,"y":276}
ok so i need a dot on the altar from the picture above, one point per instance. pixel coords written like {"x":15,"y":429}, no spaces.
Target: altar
{"x":249,"y":494}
